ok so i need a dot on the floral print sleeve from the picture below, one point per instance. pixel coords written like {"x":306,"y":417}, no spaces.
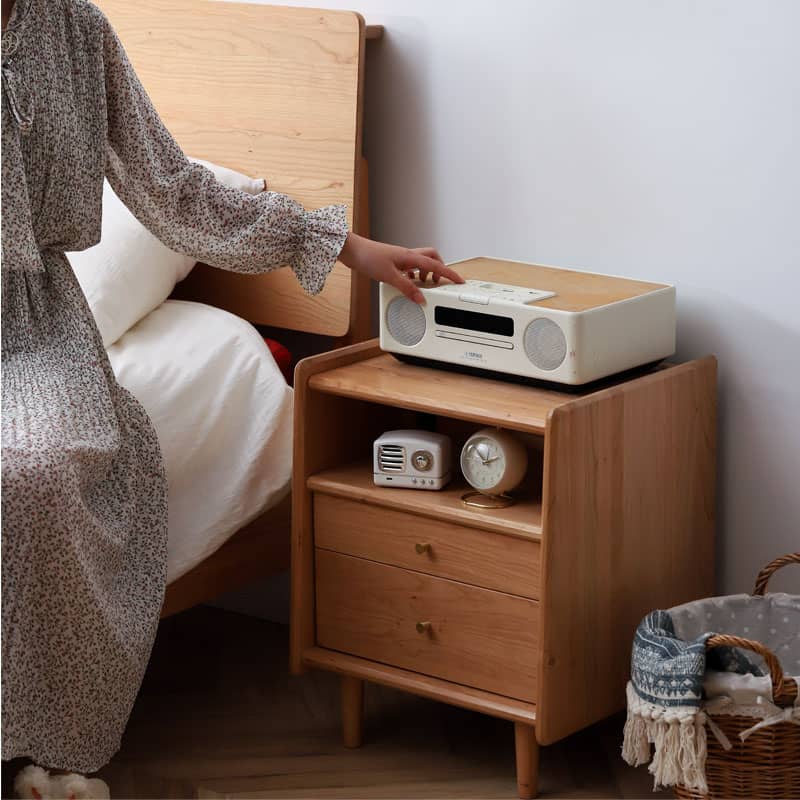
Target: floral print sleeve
{"x":182,"y":204}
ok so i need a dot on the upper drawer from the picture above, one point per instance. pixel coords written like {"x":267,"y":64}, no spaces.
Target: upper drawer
{"x":480,"y":558}
{"x":434,"y":626}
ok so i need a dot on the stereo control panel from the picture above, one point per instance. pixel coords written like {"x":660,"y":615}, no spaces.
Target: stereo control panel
{"x":483,"y":293}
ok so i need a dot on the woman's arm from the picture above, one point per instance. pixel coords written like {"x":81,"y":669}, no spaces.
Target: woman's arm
{"x":182,"y":204}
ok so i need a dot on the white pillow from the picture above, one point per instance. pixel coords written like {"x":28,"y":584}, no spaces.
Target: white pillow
{"x":236,"y":180}
{"x":130,"y":272}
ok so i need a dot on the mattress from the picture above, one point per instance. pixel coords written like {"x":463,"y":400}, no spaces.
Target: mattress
{"x":223,"y":415}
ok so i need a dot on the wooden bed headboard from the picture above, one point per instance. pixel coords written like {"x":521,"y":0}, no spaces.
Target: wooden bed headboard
{"x":273,"y":92}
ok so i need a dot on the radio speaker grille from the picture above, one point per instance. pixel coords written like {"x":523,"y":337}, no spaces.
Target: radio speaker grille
{"x":545,"y":344}
{"x":392,"y":458}
{"x":405,"y":321}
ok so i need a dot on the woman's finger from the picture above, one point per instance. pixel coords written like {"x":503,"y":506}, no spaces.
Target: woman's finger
{"x":431,"y":252}
{"x":446,"y":272}
{"x":435,"y":267}
{"x":422,"y":262}
{"x":407,"y":287}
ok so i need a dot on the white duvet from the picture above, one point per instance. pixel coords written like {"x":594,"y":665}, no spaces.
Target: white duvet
{"x":223,"y":414}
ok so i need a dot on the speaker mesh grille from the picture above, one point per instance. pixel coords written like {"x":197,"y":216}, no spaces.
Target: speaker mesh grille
{"x":405,"y":321}
{"x":545,"y":344}
{"x":392,"y":457}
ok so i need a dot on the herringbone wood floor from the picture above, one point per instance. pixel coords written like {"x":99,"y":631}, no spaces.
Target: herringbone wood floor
{"x":219,"y":717}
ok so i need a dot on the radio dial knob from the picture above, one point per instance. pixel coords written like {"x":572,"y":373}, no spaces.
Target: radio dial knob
{"x":422,"y":460}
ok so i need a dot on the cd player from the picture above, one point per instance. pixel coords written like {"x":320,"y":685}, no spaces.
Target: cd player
{"x":532,"y":321}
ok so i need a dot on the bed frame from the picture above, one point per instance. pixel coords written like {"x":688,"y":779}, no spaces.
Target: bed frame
{"x":273,"y":92}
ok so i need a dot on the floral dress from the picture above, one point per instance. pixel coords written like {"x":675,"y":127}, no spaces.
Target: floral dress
{"x":84,"y":497}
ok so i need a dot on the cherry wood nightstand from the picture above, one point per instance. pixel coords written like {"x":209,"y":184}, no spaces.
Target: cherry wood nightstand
{"x":527,"y":612}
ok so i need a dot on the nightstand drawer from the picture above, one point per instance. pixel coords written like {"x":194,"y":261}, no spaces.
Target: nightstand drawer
{"x":481,"y":558}
{"x":475,"y":637}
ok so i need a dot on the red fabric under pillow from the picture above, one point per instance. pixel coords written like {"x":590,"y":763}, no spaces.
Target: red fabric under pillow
{"x":283,"y":358}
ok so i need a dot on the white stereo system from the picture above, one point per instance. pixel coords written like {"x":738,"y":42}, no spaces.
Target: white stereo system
{"x":532,"y":321}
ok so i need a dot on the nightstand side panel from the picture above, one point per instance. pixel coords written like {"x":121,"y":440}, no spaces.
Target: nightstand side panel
{"x":323,"y":426}
{"x":628,"y":526}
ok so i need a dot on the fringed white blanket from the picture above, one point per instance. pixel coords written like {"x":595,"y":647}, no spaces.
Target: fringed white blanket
{"x":677,"y":686}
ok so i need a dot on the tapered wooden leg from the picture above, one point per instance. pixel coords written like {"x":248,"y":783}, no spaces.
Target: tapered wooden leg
{"x":527,"y":760}
{"x":352,"y":710}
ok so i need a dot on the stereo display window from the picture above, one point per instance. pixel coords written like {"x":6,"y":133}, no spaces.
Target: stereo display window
{"x":474,"y":321}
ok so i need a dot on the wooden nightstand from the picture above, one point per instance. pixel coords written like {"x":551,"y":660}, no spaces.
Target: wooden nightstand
{"x":525,"y":613}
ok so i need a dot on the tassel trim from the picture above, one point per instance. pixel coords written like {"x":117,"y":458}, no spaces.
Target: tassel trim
{"x":678,"y":739}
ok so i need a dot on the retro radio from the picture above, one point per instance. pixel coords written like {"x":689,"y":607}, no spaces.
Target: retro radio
{"x":532,"y":321}
{"x":411,"y":459}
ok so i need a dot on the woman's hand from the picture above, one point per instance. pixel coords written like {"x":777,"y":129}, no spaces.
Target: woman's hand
{"x":391,"y":264}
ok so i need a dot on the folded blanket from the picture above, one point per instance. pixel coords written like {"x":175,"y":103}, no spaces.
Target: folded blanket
{"x":665,"y":695}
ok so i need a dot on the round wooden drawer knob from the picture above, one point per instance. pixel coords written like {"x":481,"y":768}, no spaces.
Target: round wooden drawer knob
{"x":422,"y":547}
{"x":423,"y":627}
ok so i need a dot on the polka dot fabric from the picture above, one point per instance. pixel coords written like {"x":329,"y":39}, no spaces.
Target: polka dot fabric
{"x":84,"y":498}
{"x":773,"y":620}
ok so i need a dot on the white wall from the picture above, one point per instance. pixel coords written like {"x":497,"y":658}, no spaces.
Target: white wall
{"x":651,"y":138}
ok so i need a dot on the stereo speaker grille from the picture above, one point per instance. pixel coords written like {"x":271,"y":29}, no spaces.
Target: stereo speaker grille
{"x":545,"y":344}
{"x":405,"y":321}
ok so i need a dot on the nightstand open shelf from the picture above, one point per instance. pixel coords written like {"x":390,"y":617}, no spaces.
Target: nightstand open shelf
{"x":354,"y":481}
{"x":527,"y":612}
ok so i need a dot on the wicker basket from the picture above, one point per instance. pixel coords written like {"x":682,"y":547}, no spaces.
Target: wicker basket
{"x":767,"y":764}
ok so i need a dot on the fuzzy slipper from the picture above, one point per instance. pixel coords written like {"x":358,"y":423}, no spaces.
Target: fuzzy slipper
{"x":78,"y":787}
{"x":33,"y":783}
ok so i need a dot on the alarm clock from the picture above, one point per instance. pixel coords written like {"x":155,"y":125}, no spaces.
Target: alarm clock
{"x":410,"y":459}
{"x":493,"y":462}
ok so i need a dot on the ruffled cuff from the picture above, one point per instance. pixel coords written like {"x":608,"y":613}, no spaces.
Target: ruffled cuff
{"x":321,"y":241}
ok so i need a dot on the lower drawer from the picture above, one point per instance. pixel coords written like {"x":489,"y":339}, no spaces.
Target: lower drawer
{"x":475,"y":637}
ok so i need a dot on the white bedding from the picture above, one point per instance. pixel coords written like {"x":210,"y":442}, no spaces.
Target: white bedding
{"x":223,"y":414}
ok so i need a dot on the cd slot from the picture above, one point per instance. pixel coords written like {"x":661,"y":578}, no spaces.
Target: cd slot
{"x":463,"y":337}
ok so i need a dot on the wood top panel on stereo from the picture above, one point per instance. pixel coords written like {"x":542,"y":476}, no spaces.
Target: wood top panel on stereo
{"x":575,"y":291}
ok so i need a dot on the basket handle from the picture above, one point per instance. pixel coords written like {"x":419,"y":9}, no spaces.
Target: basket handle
{"x":763,"y":577}
{"x":784,"y":690}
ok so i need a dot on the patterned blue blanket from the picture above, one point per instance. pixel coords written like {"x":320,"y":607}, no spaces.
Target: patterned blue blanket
{"x":669,"y":672}
{"x":665,"y":695}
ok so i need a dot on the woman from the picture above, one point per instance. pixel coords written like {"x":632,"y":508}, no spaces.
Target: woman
{"x":84,"y":492}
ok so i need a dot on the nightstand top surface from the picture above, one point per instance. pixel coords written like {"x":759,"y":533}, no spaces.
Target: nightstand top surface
{"x":384,"y":379}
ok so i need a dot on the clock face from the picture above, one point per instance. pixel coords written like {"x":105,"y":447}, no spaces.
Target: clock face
{"x":483,"y":462}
